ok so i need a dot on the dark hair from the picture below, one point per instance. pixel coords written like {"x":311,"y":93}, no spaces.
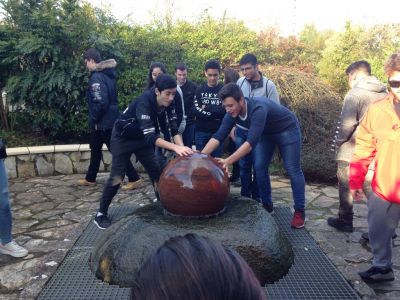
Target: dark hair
{"x":150,"y":81}
{"x":92,"y":53}
{"x":230,"y":90}
{"x":361,"y":65}
{"x":165,"y":81}
{"x":392,"y":64}
{"x":212,"y":64}
{"x":248,"y":58}
{"x":192,"y":267}
{"x":230,"y":75}
{"x":180,"y":66}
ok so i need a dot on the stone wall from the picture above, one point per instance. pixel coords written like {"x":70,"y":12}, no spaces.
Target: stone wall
{"x":55,"y":160}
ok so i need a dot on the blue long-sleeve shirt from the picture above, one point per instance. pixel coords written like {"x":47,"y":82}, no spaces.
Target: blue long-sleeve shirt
{"x":263,"y":118}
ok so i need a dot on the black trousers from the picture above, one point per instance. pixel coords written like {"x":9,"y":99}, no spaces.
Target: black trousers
{"x":97,"y":139}
{"x":345,"y":197}
{"x":121,"y":150}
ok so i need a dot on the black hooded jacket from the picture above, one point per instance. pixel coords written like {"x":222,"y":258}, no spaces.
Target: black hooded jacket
{"x":144,"y":119}
{"x":102,"y":96}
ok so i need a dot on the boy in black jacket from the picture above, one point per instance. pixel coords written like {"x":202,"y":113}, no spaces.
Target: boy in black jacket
{"x":137,"y":131}
{"x":103,"y":111}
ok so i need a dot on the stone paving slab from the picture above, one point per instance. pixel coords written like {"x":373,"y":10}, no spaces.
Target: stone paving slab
{"x":50,"y":213}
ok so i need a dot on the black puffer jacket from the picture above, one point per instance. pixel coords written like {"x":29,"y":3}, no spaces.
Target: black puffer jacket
{"x":102,"y":96}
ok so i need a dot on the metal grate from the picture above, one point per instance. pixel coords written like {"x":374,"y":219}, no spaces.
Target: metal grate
{"x":74,"y":279}
{"x":312,"y":275}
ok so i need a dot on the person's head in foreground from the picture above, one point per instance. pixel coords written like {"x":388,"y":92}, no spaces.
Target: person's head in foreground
{"x":193,"y":267}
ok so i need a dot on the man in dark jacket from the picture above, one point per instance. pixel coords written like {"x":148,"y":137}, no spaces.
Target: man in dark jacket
{"x":188,"y":91}
{"x":137,"y":131}
{"x":364,"y":89}
{"x":103,"y":111}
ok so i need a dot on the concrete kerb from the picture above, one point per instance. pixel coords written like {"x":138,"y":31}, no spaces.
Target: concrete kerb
{"x":53,"y":160}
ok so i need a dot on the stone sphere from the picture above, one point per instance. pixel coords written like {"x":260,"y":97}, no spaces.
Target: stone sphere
{"x":194,"y":186}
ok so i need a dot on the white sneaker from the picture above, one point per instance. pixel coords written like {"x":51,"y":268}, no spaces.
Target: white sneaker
{"x":13,"y":249}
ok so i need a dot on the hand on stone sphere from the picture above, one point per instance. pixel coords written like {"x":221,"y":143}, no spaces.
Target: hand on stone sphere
{"x":223,"y":164}
{"x":183,"y":150}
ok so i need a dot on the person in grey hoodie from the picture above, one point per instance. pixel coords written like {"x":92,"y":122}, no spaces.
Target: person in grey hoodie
{"x":364,"y":90}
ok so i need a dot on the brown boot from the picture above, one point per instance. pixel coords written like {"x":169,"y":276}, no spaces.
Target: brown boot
{"x":131,"y":185}
{"x":84,"y":182}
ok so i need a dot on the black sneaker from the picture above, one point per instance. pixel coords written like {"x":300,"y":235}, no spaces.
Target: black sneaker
{"x":341,"y":224}
{"x":234,"y":178}
{"x":376,"y":274}
{"x":102,"y":221}
{"x":365,"y":236}
{"x":269,"y":207}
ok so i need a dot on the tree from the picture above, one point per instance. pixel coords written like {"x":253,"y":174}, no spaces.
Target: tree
{"x":44,"y":59}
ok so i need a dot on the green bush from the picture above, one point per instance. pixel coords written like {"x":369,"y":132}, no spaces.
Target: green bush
{"x":47,"y":78}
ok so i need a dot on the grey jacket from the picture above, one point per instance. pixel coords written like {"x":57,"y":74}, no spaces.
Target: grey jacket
{"x":365,"y":91}
{"x":265,"y":88}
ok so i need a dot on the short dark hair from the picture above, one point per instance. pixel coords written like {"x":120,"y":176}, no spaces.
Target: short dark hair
{"x":92,"y":53}
{"x":248,"y":58}
{"x":392,"y":64}
{"x":180,"y":66}
{"x":360,"y":65}
{"x":230,"y":75}
{"x":230,"y":90}
{"x":212,"y":64}
{"x":211,"y":271}
{"x":153,"y":65}
{"x":164,"y":82}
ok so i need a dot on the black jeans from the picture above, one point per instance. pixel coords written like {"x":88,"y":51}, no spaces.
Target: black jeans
{"x":345,"y":197}
{"x":122,"y":149}
{"x":97,"y":139}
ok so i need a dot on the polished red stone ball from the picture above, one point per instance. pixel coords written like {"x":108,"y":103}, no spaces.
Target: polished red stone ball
{"x":194,"y":186}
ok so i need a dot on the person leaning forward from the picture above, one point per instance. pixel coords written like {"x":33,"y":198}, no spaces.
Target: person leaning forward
{"x":269,"y":125}
{"x":137,"y":131}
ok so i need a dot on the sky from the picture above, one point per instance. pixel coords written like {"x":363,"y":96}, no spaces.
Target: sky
{"x":289,"y":16}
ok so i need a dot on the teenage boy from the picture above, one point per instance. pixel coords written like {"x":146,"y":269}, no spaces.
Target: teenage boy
{"x":103,"y":111}
{"x":137,"y":131}
{"x":208,"y":107}
{"x":269,"y":125}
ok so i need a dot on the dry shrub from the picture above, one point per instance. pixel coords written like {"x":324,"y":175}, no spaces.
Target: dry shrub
{"x":317,"y":107}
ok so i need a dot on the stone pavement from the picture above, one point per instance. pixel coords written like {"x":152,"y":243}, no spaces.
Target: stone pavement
{"x":50,"y":213}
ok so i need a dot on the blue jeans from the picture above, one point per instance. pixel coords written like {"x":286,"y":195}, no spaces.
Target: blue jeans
{"x":202,"y":139}
{"x":5,"y":210}
{"x":188,"y":135}
{"x":249,"y":186}
{"x":289,"y":145}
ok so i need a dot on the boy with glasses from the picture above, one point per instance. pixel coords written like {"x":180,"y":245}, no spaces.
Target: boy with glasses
{"x":253,"y":83}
